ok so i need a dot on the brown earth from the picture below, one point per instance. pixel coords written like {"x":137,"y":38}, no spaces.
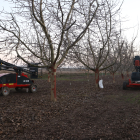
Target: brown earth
{"x":81,"y":112}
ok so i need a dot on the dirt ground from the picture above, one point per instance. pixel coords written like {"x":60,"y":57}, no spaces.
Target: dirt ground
{"x":80,"y":113}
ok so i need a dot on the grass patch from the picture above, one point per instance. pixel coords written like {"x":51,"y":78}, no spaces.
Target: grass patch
{"x":127,"y":98}
{"x":131,"y":98}
{"x":110,"y":98}
{"x":69,"y":77}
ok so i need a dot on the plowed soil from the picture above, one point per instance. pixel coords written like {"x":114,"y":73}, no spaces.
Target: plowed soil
{"x":81,"y":112}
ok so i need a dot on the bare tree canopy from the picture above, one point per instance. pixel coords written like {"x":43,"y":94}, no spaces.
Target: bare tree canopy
{"x":40,"y":29}
{"x":45,"y":30}
{"x":101,"y":40}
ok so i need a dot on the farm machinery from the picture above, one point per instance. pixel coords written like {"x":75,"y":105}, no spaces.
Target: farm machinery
{"x":135,"y":76}
{"x":18,"y":79}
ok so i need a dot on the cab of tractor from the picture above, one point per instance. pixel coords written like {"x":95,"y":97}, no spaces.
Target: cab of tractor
{"x":17,"y":80}
{"x":135,"y":76}
{"x":12,"y":80}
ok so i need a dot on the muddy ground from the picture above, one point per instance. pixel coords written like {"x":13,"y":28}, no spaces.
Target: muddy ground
{"x":80,"y":113}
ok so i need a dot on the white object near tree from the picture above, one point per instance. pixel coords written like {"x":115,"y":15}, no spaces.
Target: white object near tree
{"x":101,"y":83}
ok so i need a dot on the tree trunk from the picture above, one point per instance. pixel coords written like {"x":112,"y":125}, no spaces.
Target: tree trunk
{"x":53,"y":83}
{"x":49,"y":75}
{"x":97,"y":78}
{"x":88,"y":74}
{"x":105,"y":72}
{"x":113,"y":78}
{"x":122,"y":75}
{"x":127,"y":74}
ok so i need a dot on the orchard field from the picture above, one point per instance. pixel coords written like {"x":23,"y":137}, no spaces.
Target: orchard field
{"x":81,"y":111}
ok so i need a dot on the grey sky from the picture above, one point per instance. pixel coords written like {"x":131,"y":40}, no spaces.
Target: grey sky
{"x":130,"y":10}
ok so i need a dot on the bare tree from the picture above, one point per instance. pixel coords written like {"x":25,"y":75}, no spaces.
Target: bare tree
{"x":39,"y":30}
{"x":116,"y":53}
{"x":127,"y":56}
{"x":99,"y":40}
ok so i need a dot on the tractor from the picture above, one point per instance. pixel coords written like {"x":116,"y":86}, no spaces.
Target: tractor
{"x":135,"y":76}
{"x":18,"y":79}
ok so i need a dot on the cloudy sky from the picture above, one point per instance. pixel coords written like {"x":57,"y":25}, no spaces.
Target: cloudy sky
{"x":131,"y":12}
{"x":131,"y":21}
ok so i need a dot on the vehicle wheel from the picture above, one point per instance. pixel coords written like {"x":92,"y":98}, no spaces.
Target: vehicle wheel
{"x":18,"y":89}
{"x":33,"y":88}
{"x":5,"y":91}
{"x":125,"y":85}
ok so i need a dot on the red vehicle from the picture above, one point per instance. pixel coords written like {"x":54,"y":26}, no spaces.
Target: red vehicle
{"x":17,"y":80}
{"x":135,"y":76}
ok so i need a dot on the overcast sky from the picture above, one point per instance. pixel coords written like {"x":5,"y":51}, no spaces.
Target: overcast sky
{"x":131,"y":12}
